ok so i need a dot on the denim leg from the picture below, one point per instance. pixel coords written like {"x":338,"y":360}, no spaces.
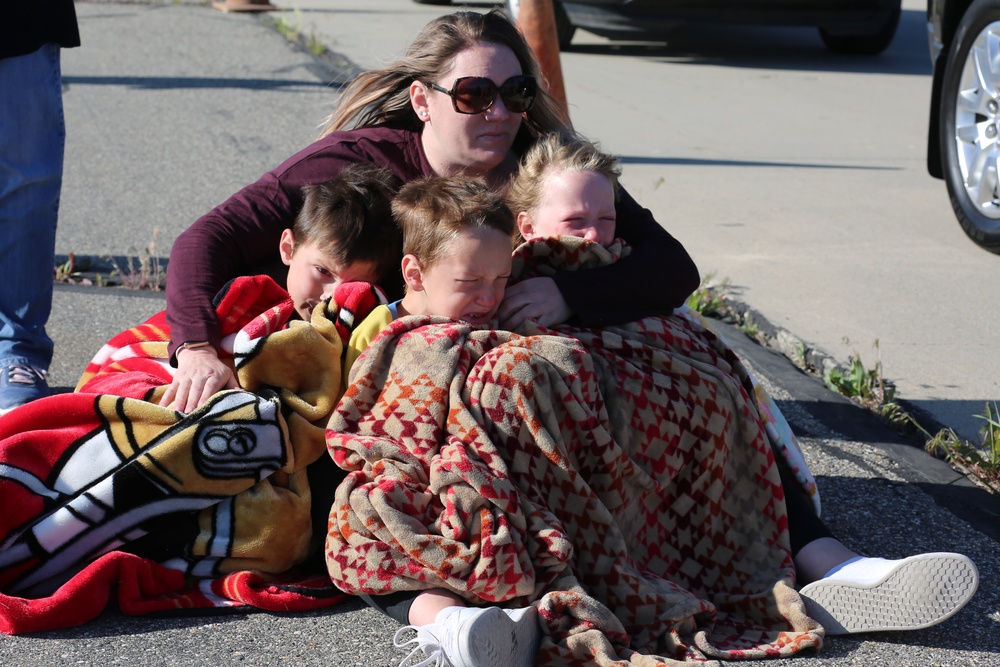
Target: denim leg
{"x":32,"y":141}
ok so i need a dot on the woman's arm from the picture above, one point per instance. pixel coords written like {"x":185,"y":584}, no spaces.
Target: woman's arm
{"x":229,"y":241}
{"x":656,"y":277}
{"x":241,"y":235}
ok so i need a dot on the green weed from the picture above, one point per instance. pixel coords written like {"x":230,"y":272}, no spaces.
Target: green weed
{"x":867,"y":385}
{"x":749,"y":327}
{"x":709,"y":299}
{"x":801,"y":355}
{"x":67,"y":273}
{"x":979,"y":462}
{"x":72,"y":273}
{"x":982,"y":460}
{"x":147,"y":274}
{"x":293,"y":31}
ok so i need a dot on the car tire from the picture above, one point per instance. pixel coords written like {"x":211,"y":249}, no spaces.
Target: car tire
{"x":868,"y":44}
{"x":970,"y":125}
{"x":564,"y":29}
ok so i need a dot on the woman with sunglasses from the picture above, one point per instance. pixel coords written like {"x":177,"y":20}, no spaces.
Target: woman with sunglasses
{"x":465,"y":98}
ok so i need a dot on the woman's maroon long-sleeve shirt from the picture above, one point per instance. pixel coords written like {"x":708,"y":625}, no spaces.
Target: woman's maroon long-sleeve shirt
{"x":241,"y":235}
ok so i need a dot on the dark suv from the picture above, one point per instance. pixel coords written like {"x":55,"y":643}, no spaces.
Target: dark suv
{"x":963,"y":146}
{"x":846,"y":26}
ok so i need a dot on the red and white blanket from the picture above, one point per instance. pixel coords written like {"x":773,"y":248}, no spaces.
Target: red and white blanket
{"x":105,"y":494}
{"x":620,"y":479}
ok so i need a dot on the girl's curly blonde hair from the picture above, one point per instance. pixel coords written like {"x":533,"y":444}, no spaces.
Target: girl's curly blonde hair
{"x":564,"y":150}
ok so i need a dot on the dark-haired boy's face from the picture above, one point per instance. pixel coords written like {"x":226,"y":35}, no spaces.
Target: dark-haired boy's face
{"x":313,"y":274}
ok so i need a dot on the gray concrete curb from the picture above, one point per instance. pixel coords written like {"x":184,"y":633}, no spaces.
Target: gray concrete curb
{"x":937,"y":478}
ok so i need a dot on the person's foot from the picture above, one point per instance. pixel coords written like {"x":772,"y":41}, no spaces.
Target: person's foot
{"x":873,"y":594}
{"x":20,"y":383}
{"x":474,"y":637}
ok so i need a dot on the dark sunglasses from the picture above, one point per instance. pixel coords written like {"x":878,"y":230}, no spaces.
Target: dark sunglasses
{"x":476,"y":94}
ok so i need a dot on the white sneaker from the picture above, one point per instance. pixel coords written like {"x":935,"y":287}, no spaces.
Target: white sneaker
{"x":474,"y":637}
{"x":912,"y":593}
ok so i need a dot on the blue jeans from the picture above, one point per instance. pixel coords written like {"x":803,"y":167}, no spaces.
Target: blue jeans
{"x":32,"y":142}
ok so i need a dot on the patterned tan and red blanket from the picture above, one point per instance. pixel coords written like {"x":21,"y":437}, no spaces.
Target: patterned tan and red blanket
{"x":621,"y":479}
{"x":105,"y":494}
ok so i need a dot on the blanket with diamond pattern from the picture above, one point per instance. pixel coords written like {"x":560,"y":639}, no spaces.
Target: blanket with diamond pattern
{"x":621,"y":479}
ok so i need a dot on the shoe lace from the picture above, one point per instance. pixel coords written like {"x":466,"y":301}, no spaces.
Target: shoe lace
{"x":23,"y":374}
{"x":428,"y":647}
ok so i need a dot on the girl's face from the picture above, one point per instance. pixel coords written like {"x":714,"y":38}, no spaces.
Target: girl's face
{"x":466,"y":283}
{"x":313,"y":275}
{"x":573,"y":203}
{"x":470,"y":143}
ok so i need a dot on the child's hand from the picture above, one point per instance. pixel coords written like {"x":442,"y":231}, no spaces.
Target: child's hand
{"x":536,"y":300}
{"x":199,"y":376}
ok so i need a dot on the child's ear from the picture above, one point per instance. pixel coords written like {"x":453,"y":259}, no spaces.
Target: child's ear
{"x":413,"y":273}
{"x":286,"y":246}
{"x":524,"y":225}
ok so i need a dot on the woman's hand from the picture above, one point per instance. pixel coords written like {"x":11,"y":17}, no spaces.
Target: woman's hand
{"x":200,"y":374}
{"x":537,"y":300}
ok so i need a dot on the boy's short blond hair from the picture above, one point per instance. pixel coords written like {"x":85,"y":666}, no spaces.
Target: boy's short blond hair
{"x":432,"y":211}
{"x":560,"y":150}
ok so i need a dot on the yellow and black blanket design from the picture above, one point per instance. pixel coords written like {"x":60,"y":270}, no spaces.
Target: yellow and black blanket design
{"x":105,"y":489}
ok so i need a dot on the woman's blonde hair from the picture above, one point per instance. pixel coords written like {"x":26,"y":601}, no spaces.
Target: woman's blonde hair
{"x":383,"y":95}
{"x":559,"y":150}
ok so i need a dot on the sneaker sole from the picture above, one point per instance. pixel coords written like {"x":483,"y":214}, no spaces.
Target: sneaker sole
{"x":495,"y":639}
{"x":919,"y":592}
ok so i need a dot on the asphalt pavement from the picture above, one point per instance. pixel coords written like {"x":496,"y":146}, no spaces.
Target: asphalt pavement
{"x":173,"y":106}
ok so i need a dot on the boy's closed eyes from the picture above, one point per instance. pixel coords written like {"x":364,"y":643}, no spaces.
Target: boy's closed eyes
{"x":467,"y":283}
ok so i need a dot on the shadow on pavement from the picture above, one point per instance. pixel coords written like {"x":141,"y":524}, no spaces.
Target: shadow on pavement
{"x":696,"y":162}
{"x":188,"y":82}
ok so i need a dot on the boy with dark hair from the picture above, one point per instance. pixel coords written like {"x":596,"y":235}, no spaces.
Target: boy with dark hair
{"x":345,"y":232}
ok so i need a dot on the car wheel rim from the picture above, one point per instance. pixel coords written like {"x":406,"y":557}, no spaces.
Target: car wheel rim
{"x":977,"y":121}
